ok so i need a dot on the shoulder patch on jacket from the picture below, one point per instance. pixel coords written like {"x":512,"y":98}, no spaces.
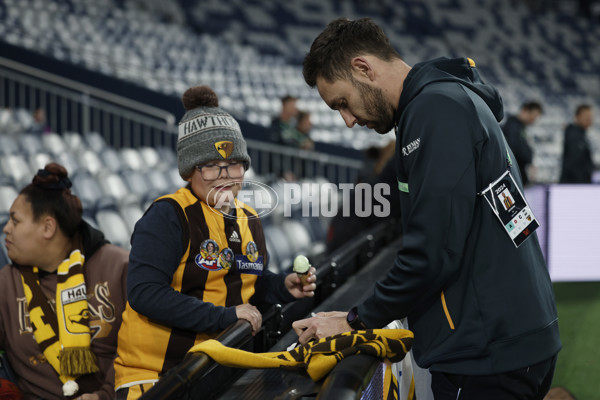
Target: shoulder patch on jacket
{"x":412,"y":146}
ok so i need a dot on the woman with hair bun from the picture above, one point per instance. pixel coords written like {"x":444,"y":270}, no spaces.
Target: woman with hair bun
{"x":62,"y":295}
{"x":181,"y":289}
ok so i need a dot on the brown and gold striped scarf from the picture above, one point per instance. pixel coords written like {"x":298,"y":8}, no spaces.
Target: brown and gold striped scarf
{"x":63,"y":335}
{"x":317,"y":357}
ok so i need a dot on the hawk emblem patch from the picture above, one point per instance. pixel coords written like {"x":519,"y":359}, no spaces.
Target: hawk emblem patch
{"x":225,"y":148}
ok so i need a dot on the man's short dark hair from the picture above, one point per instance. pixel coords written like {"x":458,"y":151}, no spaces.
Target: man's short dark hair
{"x":287,"y":98}
{"x":533,"y":106}
{"x":343,"y":39}
{"x":582,"y":107}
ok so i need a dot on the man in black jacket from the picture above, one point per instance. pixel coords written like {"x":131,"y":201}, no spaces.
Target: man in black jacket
{"x":577,"y":162}
{"x":478,"y":299}
{"x":516,"y":135}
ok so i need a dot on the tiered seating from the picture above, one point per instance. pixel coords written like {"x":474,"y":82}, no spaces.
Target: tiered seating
{"x":250,"y":52}
{"x":116,"y":186}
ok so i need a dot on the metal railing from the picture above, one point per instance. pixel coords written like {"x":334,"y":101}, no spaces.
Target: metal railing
{"x":75,"y":107}
{"x":181,"y":380}
{"x":276,"y":159}
{"x":72,"y":106}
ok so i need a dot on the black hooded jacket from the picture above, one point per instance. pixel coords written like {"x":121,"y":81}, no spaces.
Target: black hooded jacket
{"x":476,"y":303}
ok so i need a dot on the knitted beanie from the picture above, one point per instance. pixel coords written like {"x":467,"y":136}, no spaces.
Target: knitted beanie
{"x":207,"y":132}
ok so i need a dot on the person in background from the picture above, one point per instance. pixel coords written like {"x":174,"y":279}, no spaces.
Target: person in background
{"x":299,"y":136}
{"x":481,"y":307}
{"x":286,"y":119}
{"x":515,"y":132}
{"x":577,"y":162}
{"x":176,"y":296}
{"x":62,"y":295}
{"x":39,"y":126}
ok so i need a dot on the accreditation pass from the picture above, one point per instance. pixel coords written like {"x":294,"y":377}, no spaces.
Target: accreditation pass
{"x":511,"y":208}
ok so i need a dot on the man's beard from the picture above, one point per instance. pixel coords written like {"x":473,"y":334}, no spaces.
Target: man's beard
{"x":380,"y":113}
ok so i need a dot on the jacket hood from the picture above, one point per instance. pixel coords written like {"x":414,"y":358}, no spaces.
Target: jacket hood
{"x":460,"y":70}
{"x":91,"y":239}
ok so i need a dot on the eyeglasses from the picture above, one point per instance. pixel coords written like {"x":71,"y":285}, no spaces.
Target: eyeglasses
{"x":212,"y":172}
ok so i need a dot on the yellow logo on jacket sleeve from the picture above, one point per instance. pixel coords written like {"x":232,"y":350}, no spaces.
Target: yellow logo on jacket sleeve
{"x":225,"y":148}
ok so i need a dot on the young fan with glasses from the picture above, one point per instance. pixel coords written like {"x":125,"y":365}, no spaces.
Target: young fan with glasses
{"x":191,"y":274}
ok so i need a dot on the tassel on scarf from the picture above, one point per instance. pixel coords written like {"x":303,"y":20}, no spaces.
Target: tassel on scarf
{"x":75,"y":361}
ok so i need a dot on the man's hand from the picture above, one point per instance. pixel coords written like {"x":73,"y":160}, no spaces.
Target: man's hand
{"x":323,"y":325}
{"x":294,"y":284}
{"x":250,"y":314}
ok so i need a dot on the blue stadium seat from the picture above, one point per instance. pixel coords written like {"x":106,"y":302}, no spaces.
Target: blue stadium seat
{"x":131,"y":159}
{"x":279,"y":247}
{"x":30,"y":143}
{"x":95,"y":142}
{"x":297,"y":235}
{"x":131,"y":213}
{"x":112,"y":185}
{"x":53,"y":143}
{"x":16,"y":168}
{"x":111,"y":159}
{"x":111,"y":223}
{"x":8,"y":144}
{"x":90,"y":161}
{"x":86,"y":187}
{"x":8,"y":194}
{"x":4,"y":260}
{"x":38,"y":161}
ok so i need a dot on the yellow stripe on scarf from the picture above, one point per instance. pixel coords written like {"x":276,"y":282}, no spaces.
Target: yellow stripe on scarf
{"x":318,"y":357}
{"x":43,"y":332}
{"x":63,"y":336}
{"x":73,"y":318}
{"x":390,"y":383}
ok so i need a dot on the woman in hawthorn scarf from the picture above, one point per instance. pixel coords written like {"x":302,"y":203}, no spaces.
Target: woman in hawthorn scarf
{"x":63,"y":295}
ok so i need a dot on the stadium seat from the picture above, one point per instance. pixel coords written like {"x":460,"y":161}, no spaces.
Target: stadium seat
{"x":151,"y":158}
{"x":111,"y":223}
{"x":95,"y":142}
{"x":9,"y":125}
{"x":136,"y":182}
{"x":4,"y":260}
{"x":157,"y":183}
{"x":131,"y":213}
{"x":131,"y":159}
{"x":73,"y":141}
{"x":53,"y":143}
{"x":86,"y":187}
{"x":8,"y":194}
{"x":297,"y":235}
{"x":16,"y":168}
{"x":38,"y":161}
{"x":279,"y":246}
{"x":69,"y":161}
{"x":90,"y":161}
{"x":111,"y":159}
{"x":30,"y":143}
{"x":8,"y":144}
{"x":113,"y":185}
